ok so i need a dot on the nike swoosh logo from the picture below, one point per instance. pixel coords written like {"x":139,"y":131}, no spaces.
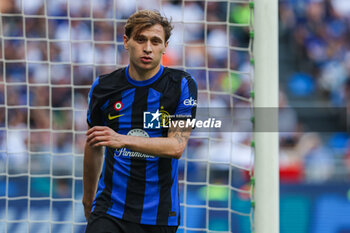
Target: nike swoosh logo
{"x":110,"y":117}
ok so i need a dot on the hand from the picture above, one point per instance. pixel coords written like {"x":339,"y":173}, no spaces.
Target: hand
{"x":87,"y":208}
{"x":104,"y":136}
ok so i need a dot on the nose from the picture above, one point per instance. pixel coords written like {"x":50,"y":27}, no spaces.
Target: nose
{"x":147,"y":49}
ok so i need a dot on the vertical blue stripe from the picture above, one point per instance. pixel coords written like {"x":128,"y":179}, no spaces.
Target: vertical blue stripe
{"x":152,"y":190}
{"x":151,"y":199}
{"x":122,"y":165}
{"x":185,"y":94}
{"x":120,"y":181}
{"x":188,"y":91}
{"x":153,"y":100}
{"x":173,"y":220}
{"x":95,"y":83}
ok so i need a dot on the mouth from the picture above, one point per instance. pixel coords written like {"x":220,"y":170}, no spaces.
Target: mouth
{"x":146,"y":59}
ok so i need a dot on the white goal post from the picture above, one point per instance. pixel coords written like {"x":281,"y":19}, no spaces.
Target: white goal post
{"x":266,"y":170}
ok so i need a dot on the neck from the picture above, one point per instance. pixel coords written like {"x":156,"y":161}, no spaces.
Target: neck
{"x":141,"y":74}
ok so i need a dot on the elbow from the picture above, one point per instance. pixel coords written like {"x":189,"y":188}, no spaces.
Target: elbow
{"x":177,"y":155}
{"x":178,"y":152}
{"x":178,"y":149}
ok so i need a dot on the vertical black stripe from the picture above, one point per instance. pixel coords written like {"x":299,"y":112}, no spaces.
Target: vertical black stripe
{"x":136,"y":186}
{"x":165,"y":182}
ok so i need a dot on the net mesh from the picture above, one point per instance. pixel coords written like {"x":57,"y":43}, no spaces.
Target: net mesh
{"x":50,"y":53}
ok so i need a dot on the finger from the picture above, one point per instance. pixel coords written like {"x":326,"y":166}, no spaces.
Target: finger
{"x":87,"y":215}
{"x":98,"y":144}
{"x":105,"y":141}
{"x":98,"y":136}
{"x":95,"y":134}
{"x":93,"y":141}
{"x":90,"y":131}
{"x":98,"y":139}
{"x":95,"y":128}
{"x":108,"y":143}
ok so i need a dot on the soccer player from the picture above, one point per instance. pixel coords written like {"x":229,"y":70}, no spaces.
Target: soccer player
{"x":132,"y":186}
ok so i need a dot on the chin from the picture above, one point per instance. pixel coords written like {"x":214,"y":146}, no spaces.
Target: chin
{"x":149,"y":66}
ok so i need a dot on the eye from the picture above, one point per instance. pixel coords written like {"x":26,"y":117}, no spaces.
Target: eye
{"x":140,"y":39}
{"x":156,"y":41}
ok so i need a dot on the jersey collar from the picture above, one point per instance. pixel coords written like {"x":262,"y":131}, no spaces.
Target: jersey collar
{"x":145,"y":82}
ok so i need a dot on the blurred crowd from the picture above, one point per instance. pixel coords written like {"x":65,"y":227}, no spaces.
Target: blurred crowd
{"x":315,"y":72}
{"x":52,"y":52}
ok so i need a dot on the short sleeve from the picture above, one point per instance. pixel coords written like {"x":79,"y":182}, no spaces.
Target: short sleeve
{"x":187,"y":105}
{"x":94,"y":113}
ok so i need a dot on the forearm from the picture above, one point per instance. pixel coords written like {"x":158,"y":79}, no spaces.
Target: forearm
{"x":163,"y":147}
{"x":171,"y":146}
{"x":93,"y":159}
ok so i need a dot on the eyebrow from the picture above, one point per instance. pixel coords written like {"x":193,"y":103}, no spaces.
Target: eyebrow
{"x":157,"y":38}
{"x":152,"y":38}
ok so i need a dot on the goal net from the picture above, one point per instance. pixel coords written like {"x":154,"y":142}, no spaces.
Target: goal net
{"x":50,"y":53}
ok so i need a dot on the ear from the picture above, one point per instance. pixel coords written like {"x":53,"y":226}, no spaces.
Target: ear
{"x":125,"y":41}
{"x":165,"y":46}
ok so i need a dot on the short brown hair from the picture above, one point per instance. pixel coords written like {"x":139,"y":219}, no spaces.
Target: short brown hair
{"x":143,"y":19}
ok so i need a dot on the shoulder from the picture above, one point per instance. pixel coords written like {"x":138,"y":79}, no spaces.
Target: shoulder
{"x":180,"y":79}
{"x":108,"y":83}
{"x":177,"y":75}
{"x":112,"y":78}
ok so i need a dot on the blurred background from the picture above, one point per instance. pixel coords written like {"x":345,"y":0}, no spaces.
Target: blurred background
{"x":52,"y":50}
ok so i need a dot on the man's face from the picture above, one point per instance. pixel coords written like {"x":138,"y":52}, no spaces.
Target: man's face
{"x":147,"y":48}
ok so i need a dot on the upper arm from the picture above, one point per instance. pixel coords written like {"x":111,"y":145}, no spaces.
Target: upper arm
{"x":94,"y":115}
{"x":93,"y":150}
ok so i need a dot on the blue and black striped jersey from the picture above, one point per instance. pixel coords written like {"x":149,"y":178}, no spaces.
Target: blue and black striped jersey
{"x":134,"y":186}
